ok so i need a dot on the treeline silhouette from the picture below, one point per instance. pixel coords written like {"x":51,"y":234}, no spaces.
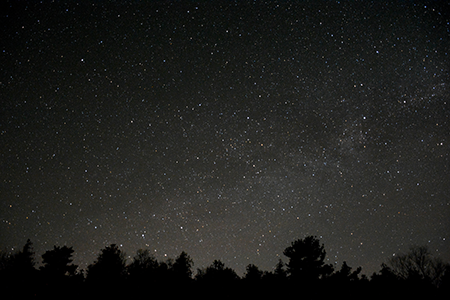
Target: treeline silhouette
{"x":304,"y":274}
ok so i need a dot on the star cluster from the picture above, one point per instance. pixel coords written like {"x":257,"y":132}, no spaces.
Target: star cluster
{"x":226,"y":129}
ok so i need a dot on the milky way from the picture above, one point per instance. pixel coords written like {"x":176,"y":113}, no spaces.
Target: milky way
{"x":226,"y":129}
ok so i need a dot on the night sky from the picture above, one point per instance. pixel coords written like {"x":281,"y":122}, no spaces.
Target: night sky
{"x":227,"y":129}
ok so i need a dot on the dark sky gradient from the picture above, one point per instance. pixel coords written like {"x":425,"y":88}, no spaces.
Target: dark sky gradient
{"x":226,"y":129}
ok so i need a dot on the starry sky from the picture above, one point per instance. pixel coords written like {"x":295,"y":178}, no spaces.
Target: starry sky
{"x":227,"y":129}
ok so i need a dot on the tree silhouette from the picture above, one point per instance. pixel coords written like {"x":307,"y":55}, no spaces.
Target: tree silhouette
{"x":253,"y":273}
{"x":385,"y":277}
{"x":17,"y":274}
{"x":412,"y":274}
{"x":280,"y":272}
{"x":58,"y":262}
{"x":5,"y":261}
{"x":418,"y":266}
{"x":109,"y":267}
{"x":59,"y":272}
{"x":18,"y":262}
{"x":216,"y":273}
{"x":182,"y":267}
{"x":306,"y":260}
{"x":164,"y":271}
{"x":277,"y":276}
{"x":345,"y":274}
{"x":444,"y":285}
{"x":143,"y":267}
{"x":23,"y":261}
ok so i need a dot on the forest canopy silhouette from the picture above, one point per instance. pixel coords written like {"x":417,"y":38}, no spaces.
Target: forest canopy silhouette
{"x":414,"y":272}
